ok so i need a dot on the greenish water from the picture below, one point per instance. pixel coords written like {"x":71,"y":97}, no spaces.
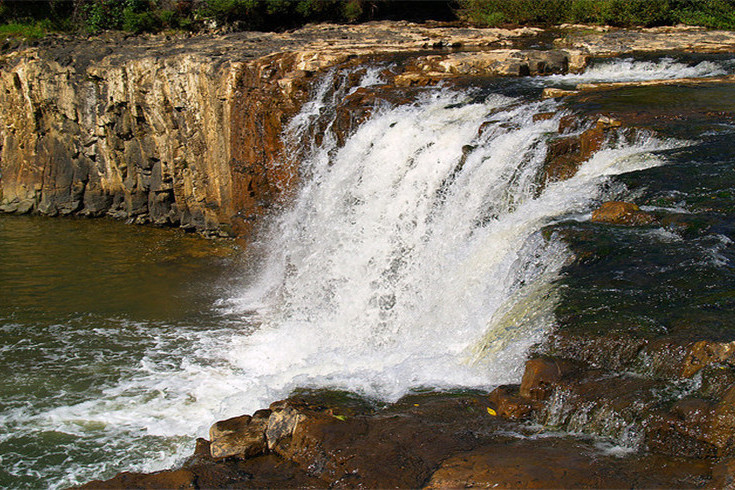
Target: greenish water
{"x":86,"y":307}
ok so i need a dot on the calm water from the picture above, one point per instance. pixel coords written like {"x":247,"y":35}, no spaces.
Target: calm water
{"x":415,"y":256}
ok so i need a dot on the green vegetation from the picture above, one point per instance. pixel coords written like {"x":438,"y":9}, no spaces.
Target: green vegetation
{"x":35,"y":30}
{"x":36,"y":17}
{"x":31,"y":19}
{"x":718,"y":14}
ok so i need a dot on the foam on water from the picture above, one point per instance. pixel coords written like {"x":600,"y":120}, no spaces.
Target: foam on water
{"x":412,"y":255}
{"x":630,"y":70}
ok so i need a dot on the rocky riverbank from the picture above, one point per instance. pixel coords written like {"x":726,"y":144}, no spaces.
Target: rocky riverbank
{"x":597,"y":407}
{"x":513,"y":437}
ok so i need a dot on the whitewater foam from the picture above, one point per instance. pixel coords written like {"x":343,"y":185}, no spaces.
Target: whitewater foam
{"x":631,"y":70}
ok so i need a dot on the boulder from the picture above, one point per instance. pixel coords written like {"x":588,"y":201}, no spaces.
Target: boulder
{"x":239,"y":437}
{"x":229,"y":426}
{"x":509,"y":404}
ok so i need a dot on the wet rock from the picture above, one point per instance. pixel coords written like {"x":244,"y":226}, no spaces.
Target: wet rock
{"x":716,"y":379}
{"x":567,"y":153}
{"x":553,"y":93}
{"x":229,"y":426}
{"x":282,"y":424}
{"x":543,"y":116}
{"x":723,"y":474}
{"x":611,"y":350}
{"x":439,"y":440}
{"x":705,"y":353}
{"x":557,"y":462}
{"x":621,"y":213}
{"x":244,"y":443}
{"x":177,"y":479}
{"x":683,"y":432}
{"x":509,"y":404}
{"x":722,"y":432}
{"x":542,"y":374}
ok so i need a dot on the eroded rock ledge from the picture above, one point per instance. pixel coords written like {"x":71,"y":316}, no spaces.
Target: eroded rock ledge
{"x":186,"y":131}
{"x":509,"y":438}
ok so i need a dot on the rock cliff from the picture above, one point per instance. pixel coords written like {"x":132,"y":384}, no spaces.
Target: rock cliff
{"x":179,"y":132}
{"x":185,"y":131}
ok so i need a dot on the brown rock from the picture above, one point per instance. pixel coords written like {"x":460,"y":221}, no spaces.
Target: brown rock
{"x":722,"y":431}
{"x":543,"y":116}
{"x":723,"y":474}
{"x":282,"y":423}
{"x":553,"y":93}
{"x":176,"y":479}
{"x":229,"y":426}
{"x":242,"y":442}
{"x":443,"y":440}
{"x":567,"y":153}
{"x":549,"y":463}
{"x":704,"y":353}
{"x":509,"y":404}
{"x":542,"y":374}
{"x":621,"y":213}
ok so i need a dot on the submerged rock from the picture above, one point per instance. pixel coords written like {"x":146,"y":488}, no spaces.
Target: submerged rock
{"x":621,"y":213}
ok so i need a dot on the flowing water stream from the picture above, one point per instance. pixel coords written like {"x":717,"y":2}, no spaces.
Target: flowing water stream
{"x":420,"y":254}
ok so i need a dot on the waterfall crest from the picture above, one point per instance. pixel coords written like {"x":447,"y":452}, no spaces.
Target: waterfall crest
{"x":412,"y":255}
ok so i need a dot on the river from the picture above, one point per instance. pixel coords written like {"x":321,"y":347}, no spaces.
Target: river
{"x":423,"y":253}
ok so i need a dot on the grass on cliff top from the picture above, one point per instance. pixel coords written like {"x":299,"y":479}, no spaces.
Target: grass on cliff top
{"x":24,"y":30}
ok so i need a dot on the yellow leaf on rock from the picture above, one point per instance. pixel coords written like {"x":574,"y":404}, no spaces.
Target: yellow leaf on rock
{"x":491,"y":411}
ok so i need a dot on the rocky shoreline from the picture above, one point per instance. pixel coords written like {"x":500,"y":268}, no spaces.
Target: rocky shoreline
{"x":185,"y":132}
{"x":517,"y":436}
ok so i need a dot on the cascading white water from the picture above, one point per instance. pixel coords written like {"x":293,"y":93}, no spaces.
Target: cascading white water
{"x":412,"y":256}
{"x":631,"y":70}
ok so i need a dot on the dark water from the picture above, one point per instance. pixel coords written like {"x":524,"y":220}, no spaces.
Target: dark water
{"x":119,"y":344}
{"x":677,"y":279}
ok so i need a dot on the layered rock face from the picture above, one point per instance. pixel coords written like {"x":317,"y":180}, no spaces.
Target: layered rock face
{"x":181,"y":132}
{"x":187,"y":131}
{"x":138,"y":138}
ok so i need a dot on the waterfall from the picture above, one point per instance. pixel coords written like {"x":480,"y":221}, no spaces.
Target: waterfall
{"x":412,"y":255}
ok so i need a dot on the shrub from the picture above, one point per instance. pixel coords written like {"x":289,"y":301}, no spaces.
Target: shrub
{"x":623,"y":13}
